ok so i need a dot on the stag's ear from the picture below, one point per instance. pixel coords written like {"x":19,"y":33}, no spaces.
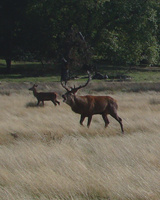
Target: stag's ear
{"x":74,"y":90}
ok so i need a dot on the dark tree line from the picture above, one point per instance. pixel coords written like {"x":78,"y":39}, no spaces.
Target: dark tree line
{"x":119,"y":31}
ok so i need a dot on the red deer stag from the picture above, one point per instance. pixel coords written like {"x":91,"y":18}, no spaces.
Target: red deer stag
{"x":89,"y":105}
{"x":44,"y":96}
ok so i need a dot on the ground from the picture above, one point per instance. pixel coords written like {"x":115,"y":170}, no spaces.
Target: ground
{"x":45,"y":153}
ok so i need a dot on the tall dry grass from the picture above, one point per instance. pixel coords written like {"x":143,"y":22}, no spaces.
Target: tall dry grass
{"x":45,"y":153}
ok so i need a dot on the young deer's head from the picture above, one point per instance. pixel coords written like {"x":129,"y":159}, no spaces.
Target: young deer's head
{"x":33,"y":87}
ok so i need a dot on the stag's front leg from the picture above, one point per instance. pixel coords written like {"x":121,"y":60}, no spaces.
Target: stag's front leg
{"x":89,"y":120}
{"x":82,"y":119}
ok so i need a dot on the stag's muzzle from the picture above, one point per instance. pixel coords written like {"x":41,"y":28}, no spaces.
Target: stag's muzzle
{"x":64,"y":98}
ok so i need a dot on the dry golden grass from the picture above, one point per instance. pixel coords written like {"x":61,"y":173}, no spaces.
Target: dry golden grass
{"x":45,"y":153}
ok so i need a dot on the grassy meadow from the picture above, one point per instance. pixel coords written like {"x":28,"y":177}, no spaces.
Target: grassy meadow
{"x":50,"y":72}
{"x":45,"y":154}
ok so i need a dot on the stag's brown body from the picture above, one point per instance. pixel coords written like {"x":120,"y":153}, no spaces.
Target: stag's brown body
{"x":89,"y":105}
{"x":44,"y":96}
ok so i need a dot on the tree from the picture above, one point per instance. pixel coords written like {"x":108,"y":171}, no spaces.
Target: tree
{"x":121,"y":32}
{"x":50,"y":25}
{"x":129,"y":33}
{"x":12,"y":18}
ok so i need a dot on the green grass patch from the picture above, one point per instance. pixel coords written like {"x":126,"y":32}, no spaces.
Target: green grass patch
{"x":137,"y":74}
{"x":18,"y":78}
{"x":29,"y":71}
{"x":148,"y":76}
{"x":35,"y":71}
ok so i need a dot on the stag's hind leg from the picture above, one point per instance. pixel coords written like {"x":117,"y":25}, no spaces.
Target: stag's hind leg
{"x":105,"y":118}
{"x":113,"y":112}
{"x":89,"y":120}
{"x":116,"y":117}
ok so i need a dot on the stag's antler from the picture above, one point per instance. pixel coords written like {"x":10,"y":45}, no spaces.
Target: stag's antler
{"x":75,"y":89}
{"x":64,"y":86}
{"x":81,"y":86}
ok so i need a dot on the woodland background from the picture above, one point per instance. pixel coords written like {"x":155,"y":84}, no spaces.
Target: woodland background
{"x":119,"y":32}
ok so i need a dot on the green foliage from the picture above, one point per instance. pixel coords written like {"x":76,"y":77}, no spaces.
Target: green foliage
{"x":12,"y":19}
{"x":121,"y":32}
{"x":130,"y":33}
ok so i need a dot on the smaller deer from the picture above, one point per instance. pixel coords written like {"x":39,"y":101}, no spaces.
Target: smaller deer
{"x":44,"y":96}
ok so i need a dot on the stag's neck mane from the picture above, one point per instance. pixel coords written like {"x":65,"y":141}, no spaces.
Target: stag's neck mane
{"x":79,"y":100}
{"x":78,"y":103}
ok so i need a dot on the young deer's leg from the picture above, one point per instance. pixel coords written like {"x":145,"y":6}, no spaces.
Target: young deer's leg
{"x":43,"y":103}
{"x":38,"y":102}
{"x":105,"y":118}
{"x":54,"y":102}
{"x":89,"y":120}
{"x":82,"y":119}
{"x":58,"y":102}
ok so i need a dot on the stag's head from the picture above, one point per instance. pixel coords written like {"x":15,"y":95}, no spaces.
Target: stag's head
{"x":68,"y":97}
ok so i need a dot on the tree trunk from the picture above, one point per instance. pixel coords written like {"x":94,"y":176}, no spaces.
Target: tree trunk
{"x":8,"y":64}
